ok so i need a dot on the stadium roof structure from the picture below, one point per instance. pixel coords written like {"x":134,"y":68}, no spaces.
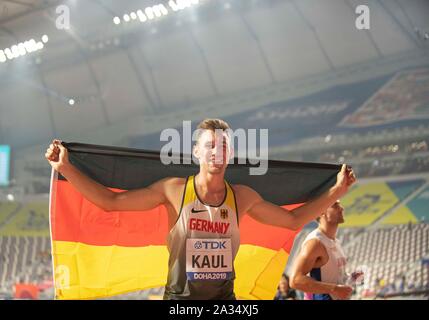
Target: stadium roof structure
{"x":117,"y":64}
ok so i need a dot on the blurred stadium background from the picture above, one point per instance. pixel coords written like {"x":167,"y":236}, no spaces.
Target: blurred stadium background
{"x":326,"y":91}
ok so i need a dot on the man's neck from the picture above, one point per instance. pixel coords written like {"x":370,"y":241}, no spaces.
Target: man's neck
{"x":329,"y":230}
{"x":210,"y":183}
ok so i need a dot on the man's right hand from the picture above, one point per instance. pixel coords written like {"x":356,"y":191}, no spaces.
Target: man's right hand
{"x":342,"y":292}
{"x":57,"y":156}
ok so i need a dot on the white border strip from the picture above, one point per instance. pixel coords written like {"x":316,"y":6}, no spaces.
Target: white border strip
{"x":54,"y":175}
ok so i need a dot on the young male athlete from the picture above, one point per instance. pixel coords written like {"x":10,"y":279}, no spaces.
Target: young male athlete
{"x":320,"y":267}
{"x":203,"y":213}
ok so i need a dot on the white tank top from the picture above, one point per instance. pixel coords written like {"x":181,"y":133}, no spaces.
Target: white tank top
{"x":334,"y":271}
{"x":202,"y":245}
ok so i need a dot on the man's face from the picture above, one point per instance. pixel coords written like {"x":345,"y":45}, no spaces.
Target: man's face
{"x":334,"y":214}
{"x":284,"y":285}
{"x":213,"y":150}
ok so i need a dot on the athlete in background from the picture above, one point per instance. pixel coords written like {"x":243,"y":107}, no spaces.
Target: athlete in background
{"x":320,"y":267}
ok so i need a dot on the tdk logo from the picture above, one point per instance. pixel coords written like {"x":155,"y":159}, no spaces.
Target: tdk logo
{"x":211,"y":245}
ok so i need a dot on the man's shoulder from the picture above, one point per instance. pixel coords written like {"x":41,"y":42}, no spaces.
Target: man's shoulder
{"x":177,"y":180}
{"x":174,"y":181}
{"x":311,"y":242}
{"x":315,"y":247}
{"x":172,"y":187}
{"x":169,"y":184}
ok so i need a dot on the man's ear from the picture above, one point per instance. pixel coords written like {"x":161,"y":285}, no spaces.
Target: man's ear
{"x":195,"y":154}
{"x":195,"y":151}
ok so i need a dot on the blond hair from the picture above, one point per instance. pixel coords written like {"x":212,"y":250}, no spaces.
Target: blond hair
{"x":212,"y":124}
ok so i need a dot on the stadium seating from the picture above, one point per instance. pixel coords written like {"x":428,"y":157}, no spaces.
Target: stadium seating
{"x":7,"y":209}
{"x":366,"y":203}
{"x":413,"y":211}
{"x":31,"y":219}
{"x":24,"y":259}
{"x":389,"y":253}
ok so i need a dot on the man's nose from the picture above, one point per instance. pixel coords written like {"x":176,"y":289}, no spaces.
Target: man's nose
{"x":218,"y":151}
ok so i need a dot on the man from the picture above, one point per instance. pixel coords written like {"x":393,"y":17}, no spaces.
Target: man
{"x":319,"y":269}
{"x":284,"y":291}
{"x":204,"y":212}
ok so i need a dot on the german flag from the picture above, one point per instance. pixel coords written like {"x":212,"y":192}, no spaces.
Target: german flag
{"x":101,"y":254}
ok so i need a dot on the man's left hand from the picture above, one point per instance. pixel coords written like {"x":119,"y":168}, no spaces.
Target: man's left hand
{"x":345,"y":178}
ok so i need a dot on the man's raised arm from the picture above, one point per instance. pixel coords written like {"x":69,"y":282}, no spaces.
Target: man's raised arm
{"x":133,"y":200}
{"x":269,"y":213}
